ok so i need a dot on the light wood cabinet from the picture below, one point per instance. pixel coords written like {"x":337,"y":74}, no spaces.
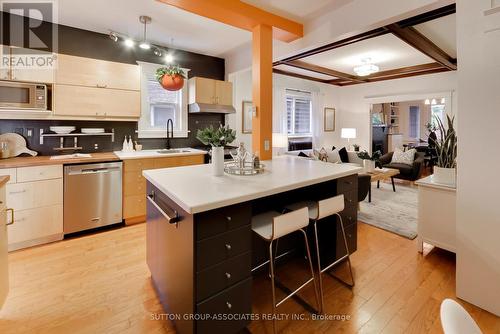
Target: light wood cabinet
{"x":33,"y":74}
{"x":4,"y":262}
{"x":97,"y":102}
{"x":80,"y":71}
{"x":209,"y":91}
{"x":134,"y":184}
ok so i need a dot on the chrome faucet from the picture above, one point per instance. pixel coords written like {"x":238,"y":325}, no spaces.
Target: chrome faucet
{"x":170,"y":132}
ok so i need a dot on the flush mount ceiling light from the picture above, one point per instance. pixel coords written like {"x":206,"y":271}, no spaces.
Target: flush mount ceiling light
{"x":367,"y":68}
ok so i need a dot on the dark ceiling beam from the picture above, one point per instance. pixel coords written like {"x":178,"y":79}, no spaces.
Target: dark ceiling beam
{"x":400,"y":76}
{"x":323,"y":70}
{"x":300,"y":76}
{"x":404,"y":70}
{"x":415,"y":39}
{"x":429,"y":16}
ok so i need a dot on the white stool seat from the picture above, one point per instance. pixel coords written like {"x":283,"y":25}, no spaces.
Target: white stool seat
{"x":456,"y":320}
{"x":311,"y":206}
{"x":262,"y":224}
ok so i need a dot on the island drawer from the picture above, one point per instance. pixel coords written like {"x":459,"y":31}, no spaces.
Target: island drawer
{"x":214,"y":250}
{"x":346,"y":184}
{"x":214,"y":222}
{"x":349,"y":215}
{"x":351,"y":234}
{"x":350,"y":198}
{"x":221,"y":276}
{"x":236,"y":300}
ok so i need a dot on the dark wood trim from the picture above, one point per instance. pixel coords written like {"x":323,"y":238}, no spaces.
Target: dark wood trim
{"x":399,"y":76}
{"x":323,"y":70}
{"x":300,"y":76}
{"x":404,"y":70}
{"x":429,"y":16}
{"x":415,"y":39}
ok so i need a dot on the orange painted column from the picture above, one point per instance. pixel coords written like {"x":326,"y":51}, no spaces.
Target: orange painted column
{"x":262,"y":91}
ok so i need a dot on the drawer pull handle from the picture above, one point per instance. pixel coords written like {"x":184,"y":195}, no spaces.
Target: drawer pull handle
{"x":11,"y":216}
{"x":228,"y":218}
{"x":229,"y":306}
{"x":228,"y":247}
{"x":17,"y":192}
{"x":228,"y":275}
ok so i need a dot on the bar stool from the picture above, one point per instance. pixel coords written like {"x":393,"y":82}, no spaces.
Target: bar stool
{"x":317,"y":211}
{"x":271,"y":226}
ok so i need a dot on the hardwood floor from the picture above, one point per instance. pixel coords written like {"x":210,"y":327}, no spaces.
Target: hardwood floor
{"x":100,"y":284}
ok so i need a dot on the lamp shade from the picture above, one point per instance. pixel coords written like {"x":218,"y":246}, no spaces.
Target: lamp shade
{"x":348,"y":133}
{"x":280,"y":140}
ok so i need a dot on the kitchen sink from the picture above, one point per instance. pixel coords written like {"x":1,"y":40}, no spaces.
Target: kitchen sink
{"x":172,"y":151}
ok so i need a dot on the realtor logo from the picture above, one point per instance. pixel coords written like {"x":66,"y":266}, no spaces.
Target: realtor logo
{"x":29,"y":28}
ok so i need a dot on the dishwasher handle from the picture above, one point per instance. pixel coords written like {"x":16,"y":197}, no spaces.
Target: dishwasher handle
{"x":94,"y":170}
{"x":172,"y":218}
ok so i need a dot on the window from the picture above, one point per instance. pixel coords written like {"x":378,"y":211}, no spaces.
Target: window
{"x":159,"y":105}
{"x":299,"y":113}
{"x":437,"y":111}
{"x":414,"y":126}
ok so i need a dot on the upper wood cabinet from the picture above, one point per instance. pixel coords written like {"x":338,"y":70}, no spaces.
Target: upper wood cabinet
{"x":80,"y":71}
{"x":210,"y":91}
{"x":28,"y":74}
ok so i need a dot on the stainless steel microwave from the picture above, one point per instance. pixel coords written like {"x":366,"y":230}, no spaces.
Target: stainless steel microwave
{"x":23,"y":95}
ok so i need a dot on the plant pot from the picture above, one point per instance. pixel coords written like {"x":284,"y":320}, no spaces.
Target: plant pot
{"x":369,"y":165}
{"x":445,"y":175}
{"x":218,"y":161}
{"x":172,"y":82}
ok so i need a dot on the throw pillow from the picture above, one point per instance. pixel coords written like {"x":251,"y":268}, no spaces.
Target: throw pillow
{"x":401,"y":157}
{"x":302,"y":154}
{"x":334,"y":156}
{"x":321,"y":154}
{"x":343,"y":155}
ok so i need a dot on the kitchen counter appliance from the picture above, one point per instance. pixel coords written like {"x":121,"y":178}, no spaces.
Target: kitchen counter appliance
{"x":92,"y":196}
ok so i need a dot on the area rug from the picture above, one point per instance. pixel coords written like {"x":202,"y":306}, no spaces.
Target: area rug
{"x":395,"y":212}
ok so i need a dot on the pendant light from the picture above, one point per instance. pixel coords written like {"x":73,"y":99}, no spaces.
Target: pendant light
{"x":145,"y":20}
{"x":367,"y":68}
{"x":427,"y":101}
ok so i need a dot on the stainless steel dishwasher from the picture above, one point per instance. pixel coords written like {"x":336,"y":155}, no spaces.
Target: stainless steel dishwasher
{"x":92,"y":196}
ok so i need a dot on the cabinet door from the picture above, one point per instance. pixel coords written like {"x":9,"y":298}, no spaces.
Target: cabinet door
{"x":224,"y":92}
{"x":4,"y":263}
{"x":44,"y":74}
{"x":101,"y":102}
{"x":80,"y":71}
{"x":4,"y":70}
{"x":204,"y":90}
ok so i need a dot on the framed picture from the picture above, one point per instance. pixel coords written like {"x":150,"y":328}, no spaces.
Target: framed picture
{"x":246,"y":120}
{"x":329,"y":120}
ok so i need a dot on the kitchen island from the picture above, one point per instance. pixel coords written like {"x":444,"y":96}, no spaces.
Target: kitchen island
{"x":200,"y":247}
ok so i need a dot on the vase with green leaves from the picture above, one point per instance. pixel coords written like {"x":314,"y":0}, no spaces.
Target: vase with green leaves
{"x":446,"y":150}
{"x":217,"y":138}
{"x":369,"y":161}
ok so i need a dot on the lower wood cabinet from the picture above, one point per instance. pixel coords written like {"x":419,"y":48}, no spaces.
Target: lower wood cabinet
{"x":134,"y":184}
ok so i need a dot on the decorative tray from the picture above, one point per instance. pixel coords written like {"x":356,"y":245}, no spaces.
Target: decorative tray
{"x":247,"y":169}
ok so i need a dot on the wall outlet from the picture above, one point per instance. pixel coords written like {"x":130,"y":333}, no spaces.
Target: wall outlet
{"x":29,"y":132}
{"x":266,"y":145}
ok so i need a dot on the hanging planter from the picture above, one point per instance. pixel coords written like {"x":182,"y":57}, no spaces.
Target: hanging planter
{"x":171,"y":77}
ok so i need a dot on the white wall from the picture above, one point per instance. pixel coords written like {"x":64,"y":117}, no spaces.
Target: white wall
{"x":478,"y":209}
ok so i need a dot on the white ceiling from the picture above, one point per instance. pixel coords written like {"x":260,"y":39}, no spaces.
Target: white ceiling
{"x":387,"y":51}
{"x":304,"y":72}
{"x":442,"y":32}
{"x":189,"y":32}
{"x":300,"y":10}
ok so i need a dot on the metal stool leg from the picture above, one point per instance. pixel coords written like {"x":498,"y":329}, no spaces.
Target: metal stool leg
{"x":318,"y":302}
{"x":271,"y":269}
{"x":320,"y":278}
{"x":345,"y":256}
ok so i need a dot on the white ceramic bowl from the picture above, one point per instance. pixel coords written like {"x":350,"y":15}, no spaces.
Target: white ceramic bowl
{"x":61,"y":130}
{"x":92,"y":130}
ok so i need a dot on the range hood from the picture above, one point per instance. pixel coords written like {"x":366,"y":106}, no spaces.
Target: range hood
{"x":211,"y":108}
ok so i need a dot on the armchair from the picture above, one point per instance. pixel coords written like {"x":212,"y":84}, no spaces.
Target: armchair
{"x":406,"y":172}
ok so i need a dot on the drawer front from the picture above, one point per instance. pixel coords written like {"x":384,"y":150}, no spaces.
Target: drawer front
{"x":235,"y":300}
{"x":3,"y":198}
{"x":36,"y":173}
{"x":350,"y":199}
{"x":137,"y":165}
{"x":134,"y":206}
{"x":36,"y":223}
{"x":219,"y":277}
{"x":346,"y":184}
{"x":178,"y":161}
{"x":30,"y":195}
{"x":351,"y":234}
{"x":349,"y":215}
{"x":134,"y":184}
{"x":218,"y":221}
{"x":10,"y":172}
{"x":214,"y":250}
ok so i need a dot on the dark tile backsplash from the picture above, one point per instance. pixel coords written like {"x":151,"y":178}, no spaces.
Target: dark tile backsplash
{"x":104,"y":144}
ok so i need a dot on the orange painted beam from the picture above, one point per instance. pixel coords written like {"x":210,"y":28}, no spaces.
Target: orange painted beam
{"x":241,"y":15}
{"x":262,"y":91}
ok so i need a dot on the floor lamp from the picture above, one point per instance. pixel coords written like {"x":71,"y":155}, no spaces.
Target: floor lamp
{"x":348,"y":133}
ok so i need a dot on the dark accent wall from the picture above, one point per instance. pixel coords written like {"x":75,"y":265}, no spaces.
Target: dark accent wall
{"x":84,"y":43}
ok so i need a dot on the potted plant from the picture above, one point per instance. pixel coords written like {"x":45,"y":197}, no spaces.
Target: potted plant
{"x":369,"y":160}
{"x":217,"y":138}
{"x":446,"y":150}
{"x":356,"y":147}
{"x":171,"y":77}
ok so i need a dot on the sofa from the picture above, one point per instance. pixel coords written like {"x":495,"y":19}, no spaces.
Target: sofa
{"x":406,"y":172}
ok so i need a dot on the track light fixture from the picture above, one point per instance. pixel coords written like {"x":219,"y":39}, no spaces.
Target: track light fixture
{"x":113,"y":36}
{"x":157,"y":52}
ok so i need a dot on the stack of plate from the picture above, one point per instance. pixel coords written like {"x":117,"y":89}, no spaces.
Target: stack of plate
{"x":62,"y":130}
{"x":92,"y":130}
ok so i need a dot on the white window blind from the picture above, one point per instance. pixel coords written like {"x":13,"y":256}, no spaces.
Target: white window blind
{"x":299,"y":113}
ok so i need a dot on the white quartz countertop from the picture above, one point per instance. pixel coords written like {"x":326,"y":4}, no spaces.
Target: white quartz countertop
{"x":430,"y":182}
{"x":195,"y":189}
{"x":177,"y":152}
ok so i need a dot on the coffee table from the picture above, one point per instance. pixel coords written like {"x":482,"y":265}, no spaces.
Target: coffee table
{"x":381,"y":174}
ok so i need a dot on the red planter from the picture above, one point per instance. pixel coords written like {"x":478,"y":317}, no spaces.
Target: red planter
{"x":172,"y":83}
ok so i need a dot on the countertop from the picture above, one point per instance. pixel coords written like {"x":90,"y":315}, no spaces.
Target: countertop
{"x":4,"y":180}
{"x":195,"y":189}
{"x":429,"y":182}
{"x":45,"y":160}
{"x":154,"y":153}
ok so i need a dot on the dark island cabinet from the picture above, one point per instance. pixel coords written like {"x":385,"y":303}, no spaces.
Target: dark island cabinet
{"x":200,"y":264}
